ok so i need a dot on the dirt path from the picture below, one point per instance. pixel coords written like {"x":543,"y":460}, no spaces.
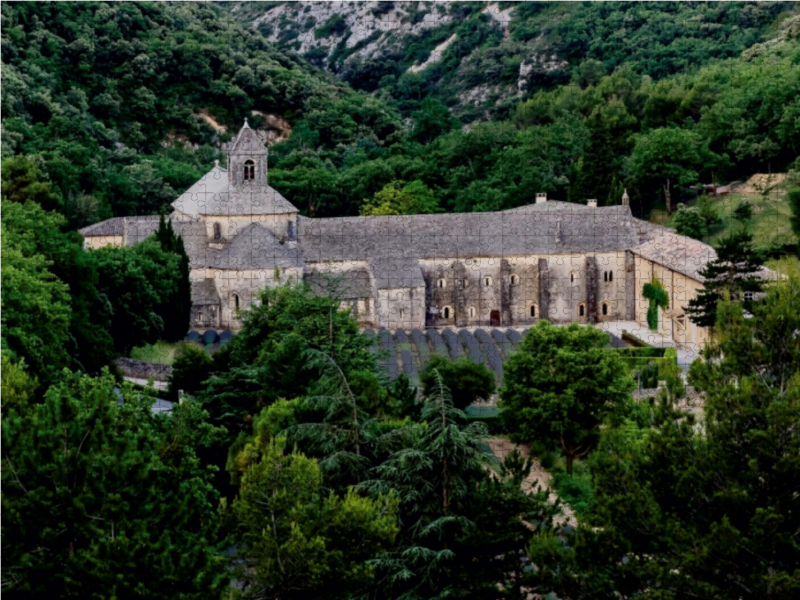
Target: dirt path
{"x":538,"y":476}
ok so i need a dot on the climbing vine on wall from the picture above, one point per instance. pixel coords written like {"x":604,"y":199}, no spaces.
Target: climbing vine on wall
{"x":654,"y":292}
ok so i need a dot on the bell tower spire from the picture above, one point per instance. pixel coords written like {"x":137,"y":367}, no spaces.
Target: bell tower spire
{"x":247,"y":159}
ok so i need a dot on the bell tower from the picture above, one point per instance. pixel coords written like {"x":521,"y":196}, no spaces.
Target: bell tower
{"x":247,"y":160}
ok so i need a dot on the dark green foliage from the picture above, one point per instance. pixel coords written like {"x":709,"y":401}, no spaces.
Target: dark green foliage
{"x":744,"y":211}
{"x":467,"y":381}
{"x":136,"y":281}
{"x":690,"y":222}
{"x":707,"y":509}
{"x":175,"y":309}
{"x":734,"y":273}
{"x":43,"y":254}
{"x":793,"y":197}
{"x":294,"y":541}
{"x":560,"y":385}
{"x":191,"y":368}
{"x":461,"y":531}
{"x":658,"y":298}
{"x":102,"y":496}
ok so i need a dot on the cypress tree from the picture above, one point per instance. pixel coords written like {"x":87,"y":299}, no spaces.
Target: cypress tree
{"x":176,"y":309}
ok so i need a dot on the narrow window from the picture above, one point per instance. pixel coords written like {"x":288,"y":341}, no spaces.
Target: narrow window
{"x":487,"y":281}
{"x":572,"y":277}
{"x":217,"y":231}
{"x":440,"y":283}
{"x":581,"y":310}
{"x":514,"y":280}
{"x":605,"y":308}
{"x":249,"y":170}
{"x":605,"y":275}
{"x":402,"y":314}
{"x":611,"y":275}
{"x":533,"y":310}
{"x":472,"y":312}
{"x":446,"y":312}
{"x":199,"y":317}
{"x":466,"y":282}
{"x":236,"y":301}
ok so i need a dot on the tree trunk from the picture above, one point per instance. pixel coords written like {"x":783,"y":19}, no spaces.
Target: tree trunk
{"x":570,"y":460}
{"x":668,"y":197}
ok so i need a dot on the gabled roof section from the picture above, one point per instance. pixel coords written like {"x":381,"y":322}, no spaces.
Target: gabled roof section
{"x":246,"y":142}
{"x":254,"y":247}
{"x":213,"y":195}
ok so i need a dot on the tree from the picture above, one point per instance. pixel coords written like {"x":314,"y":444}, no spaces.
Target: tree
{"x":689,"y":222}
{"x":17,"y":386}
{"x":294,"y":541}
{"x":672,"y":158}
{"x":432,"y":120}
{"x":560,"y":385}
{"x":176,"y":309}
{"x":467,"y":381}
{"x":735,"y":272}
{"x":793,"y":198}
{"x":136,"y":282}
{"x":23,"y":181}
{"x":705,"y":508}
{"x":413,"y":198}
{"x":103,"y":495}
{"x":191,"y":368}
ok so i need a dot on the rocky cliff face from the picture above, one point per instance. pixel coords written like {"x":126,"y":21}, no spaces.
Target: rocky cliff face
{"x":464,"y":50}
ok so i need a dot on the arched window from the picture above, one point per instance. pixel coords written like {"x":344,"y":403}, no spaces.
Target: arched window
{"x":402,"y":314}
{"x":572,"y":277}
{"x":446,"y":312}
{"x":441,"y":283}
{"x":249,"y":169}
{"x":217,"y":231}
{"x":514,"y":279}
{"x":465,"y":283}
{"x":605,"y":275}
{"x":611,"y":275}
{"x":605,"y":308}
{"x":235,"y":298}
{"x":487,"y":281}
{"x":581,"y":310}
{"x":471,"y":312}
{"x":533,"y":311}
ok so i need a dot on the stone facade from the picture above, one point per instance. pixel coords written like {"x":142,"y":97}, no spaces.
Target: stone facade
{"x":548,"y":260}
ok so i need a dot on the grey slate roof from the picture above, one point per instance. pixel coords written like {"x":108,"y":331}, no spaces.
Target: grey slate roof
{"x":254,"y":248}
{"x":349,"y":285}
{"x":678,"y":252}
{"x":204,"y":292}
{"x":534,"y":230}
{"x":214,"y":195}
{"x":389,"y":273}
{"x":114,"y":226}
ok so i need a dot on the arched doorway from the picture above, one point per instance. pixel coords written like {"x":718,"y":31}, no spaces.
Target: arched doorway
{"x":494,"y":318}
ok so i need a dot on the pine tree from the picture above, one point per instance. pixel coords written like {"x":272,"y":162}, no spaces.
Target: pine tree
{"x":734,"y":273}
{"x":102,"y":498}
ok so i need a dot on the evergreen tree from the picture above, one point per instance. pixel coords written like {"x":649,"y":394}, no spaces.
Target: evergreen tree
{"x":176,"y":310}
{"x":734,"y":273}
{"x":467,"y":380}
{"x":103,"y":498}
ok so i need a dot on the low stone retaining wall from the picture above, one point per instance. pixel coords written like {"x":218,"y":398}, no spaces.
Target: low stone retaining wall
{"x":144,"y":370}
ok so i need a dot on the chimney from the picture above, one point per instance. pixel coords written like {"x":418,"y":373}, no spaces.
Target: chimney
{"x":626,"y":200}
{"x":541,"y":197}
{"x":591,"y":203}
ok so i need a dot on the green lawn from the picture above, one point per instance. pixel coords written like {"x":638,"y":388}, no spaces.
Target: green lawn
{"x":161,"y":352}
{"x":769,"y":225}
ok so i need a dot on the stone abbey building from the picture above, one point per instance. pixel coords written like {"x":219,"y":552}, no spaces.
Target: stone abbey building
{"x":554,"y":260}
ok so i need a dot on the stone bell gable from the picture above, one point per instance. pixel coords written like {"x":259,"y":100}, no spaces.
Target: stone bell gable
{"x":247,"y":159}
